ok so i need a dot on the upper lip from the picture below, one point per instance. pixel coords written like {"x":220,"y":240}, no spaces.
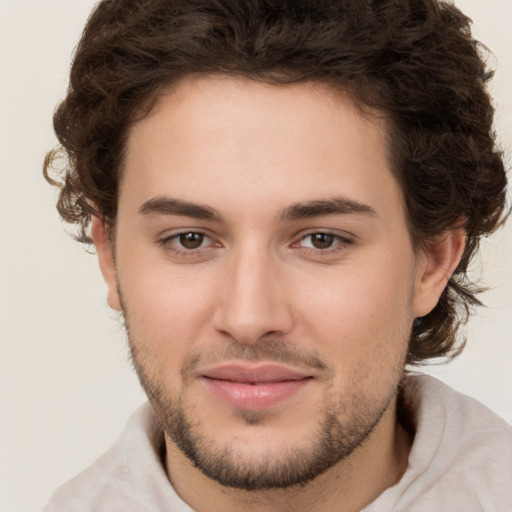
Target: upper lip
{"x":262,"y":373}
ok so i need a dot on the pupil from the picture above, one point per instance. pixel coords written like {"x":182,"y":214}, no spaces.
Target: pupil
{"x":191,"y":240}
{"x":322,"y":240}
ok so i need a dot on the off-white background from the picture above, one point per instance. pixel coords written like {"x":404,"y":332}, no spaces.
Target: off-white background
{"x":66,"y":387}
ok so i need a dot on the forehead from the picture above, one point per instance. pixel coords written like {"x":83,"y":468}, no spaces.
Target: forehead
{"x":237,"y":142}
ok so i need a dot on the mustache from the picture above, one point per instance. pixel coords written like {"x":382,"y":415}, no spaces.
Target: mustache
{"x":274,"y":351}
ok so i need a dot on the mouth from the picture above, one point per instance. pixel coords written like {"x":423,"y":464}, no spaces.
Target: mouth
{"x":254,"y":387}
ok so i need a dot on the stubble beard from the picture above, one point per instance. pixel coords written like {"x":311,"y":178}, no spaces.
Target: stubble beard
{"x":332,"y":441}
{"x":293,"y":466}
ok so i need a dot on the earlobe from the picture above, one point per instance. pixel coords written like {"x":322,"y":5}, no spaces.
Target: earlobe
{"x":436,"y":264}
{"x":106,"y":260}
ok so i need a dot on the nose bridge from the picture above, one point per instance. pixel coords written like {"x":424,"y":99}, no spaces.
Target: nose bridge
{"x":253,"y":302}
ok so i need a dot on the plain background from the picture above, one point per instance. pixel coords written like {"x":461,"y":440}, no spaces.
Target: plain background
{"x":66,"y":386}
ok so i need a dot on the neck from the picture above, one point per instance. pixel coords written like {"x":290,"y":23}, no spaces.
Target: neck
{"x":348,"y":486}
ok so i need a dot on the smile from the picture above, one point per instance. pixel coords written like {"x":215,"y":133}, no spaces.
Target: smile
{"x":254,"y":388}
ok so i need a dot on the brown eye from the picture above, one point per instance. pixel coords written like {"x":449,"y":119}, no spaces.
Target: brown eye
{"x":322,"y":240}
{"x":191,"y":240}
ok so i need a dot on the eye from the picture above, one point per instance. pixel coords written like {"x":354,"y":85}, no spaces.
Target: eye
{"x":190,"y":240}
{"x":187,"y":241}
{"x":321,"y":241}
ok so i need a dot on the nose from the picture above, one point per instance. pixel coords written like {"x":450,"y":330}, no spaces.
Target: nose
{"x":253,"y":301}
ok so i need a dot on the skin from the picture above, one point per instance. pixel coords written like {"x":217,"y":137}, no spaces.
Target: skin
{"x":262,"y":288}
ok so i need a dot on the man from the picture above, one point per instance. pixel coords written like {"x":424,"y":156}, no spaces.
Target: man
{"x":285,"y":197}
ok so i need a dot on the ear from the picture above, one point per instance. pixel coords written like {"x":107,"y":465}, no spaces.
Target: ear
{"x":106,"y":259}
{"x":436,"y":263}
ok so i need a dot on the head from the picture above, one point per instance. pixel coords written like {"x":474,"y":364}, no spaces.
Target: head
{"x":410,"y":81}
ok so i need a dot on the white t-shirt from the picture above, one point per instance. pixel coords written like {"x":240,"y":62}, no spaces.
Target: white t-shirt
{"x":461,"y":460}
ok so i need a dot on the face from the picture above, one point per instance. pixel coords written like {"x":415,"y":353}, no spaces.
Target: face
{"x":266,"y":276}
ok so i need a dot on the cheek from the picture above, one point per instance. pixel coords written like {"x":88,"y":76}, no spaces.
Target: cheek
{"x":166,"y":311}
{"x":362,"y":314}
{"x":362,"y":331}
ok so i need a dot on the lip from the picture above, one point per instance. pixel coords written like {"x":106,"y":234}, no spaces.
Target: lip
{"x":254,"y":387}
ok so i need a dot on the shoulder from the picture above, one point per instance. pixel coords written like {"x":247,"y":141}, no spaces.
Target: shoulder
{"x":129,"y":476}
{"x":456,"y":417}
{"x":461,"y":453}
{"x":462,"y":448}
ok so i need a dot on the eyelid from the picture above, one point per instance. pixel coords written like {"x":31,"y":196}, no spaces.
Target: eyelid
{"x":342,"y":235}
{"x":167,"y":241}
{"x":343,"y":241}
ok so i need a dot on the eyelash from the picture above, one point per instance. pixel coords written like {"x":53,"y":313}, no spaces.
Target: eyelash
{"x":168,"y":244}
{"x":340,"y":243}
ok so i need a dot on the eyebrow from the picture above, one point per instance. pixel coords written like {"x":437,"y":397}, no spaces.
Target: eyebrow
{"x":333,"y":206}
{"x":169,"y":206}
{"x":302,"y":210}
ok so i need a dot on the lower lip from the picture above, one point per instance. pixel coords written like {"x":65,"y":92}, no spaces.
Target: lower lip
{"x":257,"y":397}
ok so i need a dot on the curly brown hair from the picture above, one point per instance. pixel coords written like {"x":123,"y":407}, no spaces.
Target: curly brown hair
{"x":414,"y":61}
